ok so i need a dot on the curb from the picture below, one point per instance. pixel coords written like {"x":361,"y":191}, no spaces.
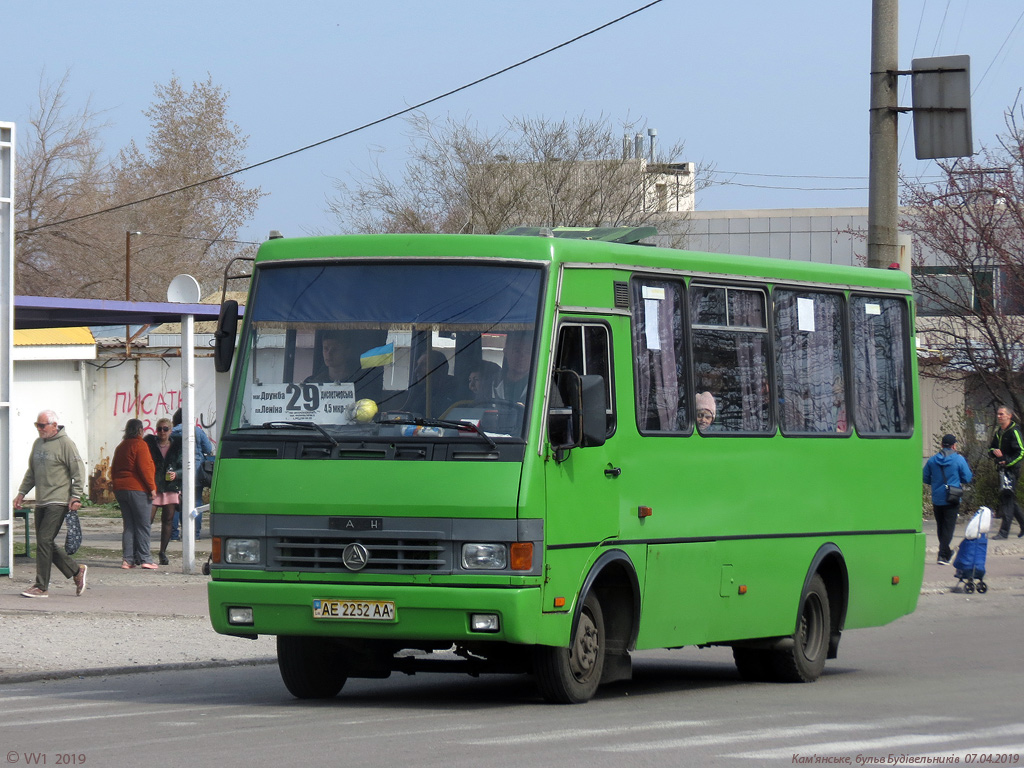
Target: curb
{"x":65,"y":674}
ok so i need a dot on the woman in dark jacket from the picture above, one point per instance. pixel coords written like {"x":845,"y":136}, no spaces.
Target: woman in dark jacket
{"x":166,"y":452}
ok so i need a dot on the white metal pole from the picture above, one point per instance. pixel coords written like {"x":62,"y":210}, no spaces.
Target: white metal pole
{"x":6,"y":344}
{"x":188,"y":451}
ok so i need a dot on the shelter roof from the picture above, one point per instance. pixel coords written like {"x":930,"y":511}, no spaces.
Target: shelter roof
{"x":51,"y":312}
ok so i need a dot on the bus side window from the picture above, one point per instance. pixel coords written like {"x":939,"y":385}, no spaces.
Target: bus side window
{"x":730,"y":356}
{"x":882,"y":388}
{"x":659,"y":354}
{"x":586,"y":349}
{"x":810,"y":374}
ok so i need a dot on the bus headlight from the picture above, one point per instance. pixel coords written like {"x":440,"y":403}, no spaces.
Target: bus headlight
{"x":484,"y":557}
{"x":242,"y":551}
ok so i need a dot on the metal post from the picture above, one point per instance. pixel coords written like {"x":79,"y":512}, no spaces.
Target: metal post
{"x":7,"y":472}
{"x":883,"y":182}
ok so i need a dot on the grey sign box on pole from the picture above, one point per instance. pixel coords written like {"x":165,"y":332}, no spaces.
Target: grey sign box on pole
{"x":941,"y":88}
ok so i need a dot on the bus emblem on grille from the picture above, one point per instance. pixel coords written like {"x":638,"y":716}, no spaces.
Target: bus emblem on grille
{"x":355,"y":557}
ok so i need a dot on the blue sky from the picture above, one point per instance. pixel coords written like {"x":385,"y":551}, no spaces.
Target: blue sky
{"x":777,"y":92}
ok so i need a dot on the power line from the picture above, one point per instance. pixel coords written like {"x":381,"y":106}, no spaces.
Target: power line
{"x":363,"y":127}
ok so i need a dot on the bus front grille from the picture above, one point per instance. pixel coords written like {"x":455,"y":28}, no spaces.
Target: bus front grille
{"x":399,"y":555}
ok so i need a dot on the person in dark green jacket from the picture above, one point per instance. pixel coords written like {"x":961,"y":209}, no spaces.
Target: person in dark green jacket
{"x":1007,"y":449}
{"x":56,"y":471}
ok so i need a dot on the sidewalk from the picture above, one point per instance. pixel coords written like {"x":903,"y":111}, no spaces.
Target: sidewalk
{"x":137,"y":620}
{"x":126,"y":621}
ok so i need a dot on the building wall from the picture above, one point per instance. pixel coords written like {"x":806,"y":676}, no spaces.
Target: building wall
{"x":57,"y":385}
{"x":827,"y":235}
{"x":148,"y":389}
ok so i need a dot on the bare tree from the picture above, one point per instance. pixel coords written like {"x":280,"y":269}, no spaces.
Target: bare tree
{"x":194,"y":230}
{"x":70,"y":230}
{"x":534,"y":172}
{"x":969,"y":265}
{"x":61,"y":175}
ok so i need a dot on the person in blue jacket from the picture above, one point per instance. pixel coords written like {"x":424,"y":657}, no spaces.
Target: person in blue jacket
{"x":203,"y":450}
{"x":947,"y":467}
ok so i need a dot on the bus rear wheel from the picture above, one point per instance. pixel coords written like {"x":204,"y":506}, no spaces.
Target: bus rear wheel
{"x":805,"y":660}
{"x":310,"y":667}
{"x":571,"y":675}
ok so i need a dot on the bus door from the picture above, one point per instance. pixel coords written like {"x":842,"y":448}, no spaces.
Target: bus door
{"x":582,"y":492}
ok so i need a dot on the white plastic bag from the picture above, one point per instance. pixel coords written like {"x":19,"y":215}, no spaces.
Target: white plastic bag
{"x":979,"y":524}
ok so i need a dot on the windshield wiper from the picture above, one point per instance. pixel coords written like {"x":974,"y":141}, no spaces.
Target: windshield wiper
{"x":462,"y":426}
{"x":301,"y":425}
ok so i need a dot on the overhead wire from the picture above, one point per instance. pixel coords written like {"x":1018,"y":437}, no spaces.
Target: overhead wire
{"x":352,"y":131}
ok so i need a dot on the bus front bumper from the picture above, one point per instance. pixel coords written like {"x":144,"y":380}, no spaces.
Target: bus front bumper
{"x":391,"y":612}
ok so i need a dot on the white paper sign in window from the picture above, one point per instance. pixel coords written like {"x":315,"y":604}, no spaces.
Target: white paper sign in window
{"x":320,"y":403}
{"x":805,"y":314}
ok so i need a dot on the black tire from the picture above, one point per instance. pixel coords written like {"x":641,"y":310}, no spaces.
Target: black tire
{"x":805,"y":660}
{"x":571,"y":675}
{"x":753,"y":664}
{"x":969,"y":588}
{"x":982,"y":587}
{"x":310,"y":667}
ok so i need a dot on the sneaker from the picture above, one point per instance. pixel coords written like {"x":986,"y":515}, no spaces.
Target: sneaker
{"x":80,"y":580}
{"x":34,"y":592}
{"x":150,"y":566}
{"x":175,"y":537}
{"x":943,"y":561}
{"x":1001,"y":535}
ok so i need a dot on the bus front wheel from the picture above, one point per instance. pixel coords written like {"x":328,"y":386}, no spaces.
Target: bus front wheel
{"x":571,"y":675}
{"x":804,"y":661}
{"x":310,"y":667}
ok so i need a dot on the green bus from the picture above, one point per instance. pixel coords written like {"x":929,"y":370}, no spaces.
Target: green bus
{"x":539,"y":451}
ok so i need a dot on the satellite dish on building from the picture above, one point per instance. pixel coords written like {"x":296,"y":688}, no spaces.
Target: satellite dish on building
{"x":184,"y":289}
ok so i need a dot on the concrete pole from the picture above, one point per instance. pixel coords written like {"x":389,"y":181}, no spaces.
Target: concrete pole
{"x":883,"y":181}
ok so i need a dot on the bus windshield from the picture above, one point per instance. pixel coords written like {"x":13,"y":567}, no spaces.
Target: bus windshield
{"x":426,"y":350}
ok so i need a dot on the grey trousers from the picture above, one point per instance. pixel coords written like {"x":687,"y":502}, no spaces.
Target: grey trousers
{"x":136,"y":522}
{"x":49,"y":519}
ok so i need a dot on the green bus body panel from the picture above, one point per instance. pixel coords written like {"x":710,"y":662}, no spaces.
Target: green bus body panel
{"x":726,"y":511}
{"x":367,"y":488}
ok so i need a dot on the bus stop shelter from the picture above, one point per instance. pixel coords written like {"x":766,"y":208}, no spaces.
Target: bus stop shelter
{"x":47,"y":312}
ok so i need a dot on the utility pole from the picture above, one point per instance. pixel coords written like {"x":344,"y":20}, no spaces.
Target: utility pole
{"x":883,"y":182}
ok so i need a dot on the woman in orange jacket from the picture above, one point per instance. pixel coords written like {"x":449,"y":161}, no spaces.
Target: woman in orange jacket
{"x":133,"y":471}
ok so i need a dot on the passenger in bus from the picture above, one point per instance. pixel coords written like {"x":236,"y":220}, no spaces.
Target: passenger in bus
{"x":515,"y":370}
{"x":341,"y":365}
{"x":706,"y":411}
{"x":432,"y":390}
{"x":482,"y":378}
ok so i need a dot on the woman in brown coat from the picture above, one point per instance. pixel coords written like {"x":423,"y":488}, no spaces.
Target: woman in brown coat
{"x":133,"y":473}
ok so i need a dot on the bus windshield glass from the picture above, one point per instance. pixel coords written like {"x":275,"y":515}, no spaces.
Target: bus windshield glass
{"x":434,"y":350}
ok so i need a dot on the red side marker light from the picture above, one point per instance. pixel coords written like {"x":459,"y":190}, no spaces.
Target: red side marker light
{"x":743,"y":589}
{"x":643,"y":512}
{"x":559,"y":602}
{"x":895,"y":580}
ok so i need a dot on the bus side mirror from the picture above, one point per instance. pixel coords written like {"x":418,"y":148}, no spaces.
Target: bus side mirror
{"x":576,"y":416}
{"x":224,"y":337}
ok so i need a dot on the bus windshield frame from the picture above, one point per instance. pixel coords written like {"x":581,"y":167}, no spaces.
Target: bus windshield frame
{"x":391,"y":349}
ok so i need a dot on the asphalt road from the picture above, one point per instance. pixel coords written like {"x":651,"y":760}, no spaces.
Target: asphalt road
{"x":939,"y":685}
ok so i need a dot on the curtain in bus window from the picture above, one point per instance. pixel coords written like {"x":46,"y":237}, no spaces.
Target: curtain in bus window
{"x":659,"y":356}
{"x":881,"y":391}
{"x":809,"y":372}
{"x":731,"y":362}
